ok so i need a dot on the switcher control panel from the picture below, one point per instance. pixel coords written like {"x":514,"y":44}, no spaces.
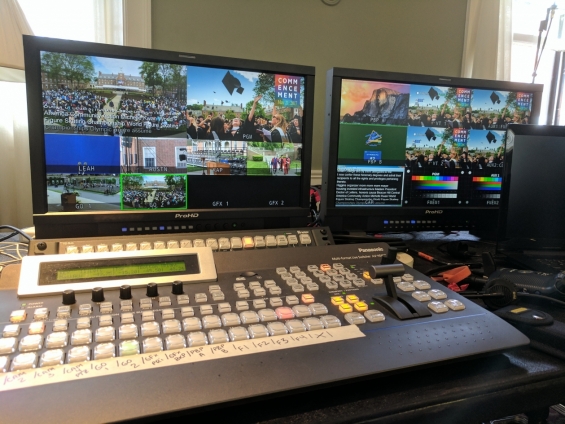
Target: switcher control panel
{"x":270,"y":321}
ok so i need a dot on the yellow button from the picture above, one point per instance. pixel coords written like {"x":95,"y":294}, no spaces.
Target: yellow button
{"x":345,"y":308}
{"x":337,"y":300}
{"x":361,"y":306}
{"x":307,"y":298}
{"x":351,"y":298}
{"x":248,"y":243}
{"x":18,"y":316}
{"x":366,"y":274}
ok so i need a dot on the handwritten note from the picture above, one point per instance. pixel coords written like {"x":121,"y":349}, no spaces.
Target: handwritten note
{"x":104,"y":367}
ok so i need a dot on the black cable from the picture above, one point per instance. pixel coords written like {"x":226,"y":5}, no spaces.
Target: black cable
{"x":8,"y":236}
{"x":537,"y":296}
{"x":16,"y":230}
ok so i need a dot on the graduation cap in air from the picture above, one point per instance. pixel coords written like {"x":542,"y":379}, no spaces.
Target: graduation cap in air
{"x":430,"y":134}
{"x":491,"y":137}
{"x":433,"y":93}
{"x":232,"y":83}
{"x":495,"y":98}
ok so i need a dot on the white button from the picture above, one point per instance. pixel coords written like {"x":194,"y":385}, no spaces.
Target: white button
{"x":131,"y":247}
{"x":238,"y":333}
{"x":230,"y":319}
{"x":301,"y":311}
{"x":330,"y":321}
{"x":117,"y":247}
{"x":211,"y":321}
{"x":374,"y":316}
{"x":185,"y":244}
{"x":405,"y":287}
{"x":7,"y":345}
{"x":421,"y":296}
{"x":218,"y":336}
{"x":152,"y":344}
{"x":171,"y":326}
{"x":318,"y":309}
{"x":192,"y":324}
{"x":438,"y":307}
{"x":172,"y":244}
{"x":295,"y":326}
{"x":78,"y":354}
{"x":159,"y":245}
{"x":37,"y":327}
{"x":104,"y":334}
{"x":60,"y":325}
{"x":218,"y":295}
{"x":24,"y":361}
{"x":292,"y":300}
{"x":55,"y":340}
{"x":206,"y":309}
{"x":354,"y":318}
{"x":422,"y":285}
{"x":437,"y":294}
{"x":175,"y":341}
{"x":224,"y":307}
{"x":454,"y":305}
{"x":200,"y":297}
{"x":259,"y":304}
{"x":197,"y":338}
{"x":150,"y":328}
{"x":312,"y":324}
{"x":127,"y":331}
{"x":51,"y":357}
{"x":127,"y":318}
{"x":267,"y":315}
{"x":145,"y":245}
{"x":187,"y":311}
{"x":83,"y":322}
{"x":104,"y":351}
{"x":40,"y":314}
{"x":241,"y":305}
{"x":277,"y":329}
{"x":275,"y":302}
{"x":249,"y":317}
{"x":81,"y":337}
{"x":257,"y":331}
{"x":11,"y":330}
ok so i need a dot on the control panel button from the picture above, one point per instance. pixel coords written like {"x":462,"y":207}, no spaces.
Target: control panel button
{"x":104,"y":351}
{"x":373,"y":315}
{"x":438,"y":307}
{"x":197,"y":338}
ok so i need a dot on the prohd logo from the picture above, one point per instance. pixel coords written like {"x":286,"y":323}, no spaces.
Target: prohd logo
{"x":186,"y":215}
{"x":437,"y":212}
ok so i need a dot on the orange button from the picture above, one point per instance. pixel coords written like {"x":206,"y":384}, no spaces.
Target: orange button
{"x":345,"y":308}
{"x":351,"y":298}
{"x":361,"y":306}
{"x":366,"y":274}
{"x":307,"y":298}
{"x":248,"y":242}
{"x":337,"y":300}
{"x":325,"y":267}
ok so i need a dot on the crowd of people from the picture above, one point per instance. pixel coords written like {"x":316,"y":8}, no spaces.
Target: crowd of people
{"x":466,"y":120}
{"x":280,"y":164}
{"x":455,"y":159}
{"x":155,"y":113}
{"x":252,"y":128}
{"x":162,"y":199}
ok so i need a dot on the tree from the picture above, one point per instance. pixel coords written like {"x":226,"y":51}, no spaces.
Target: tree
{"x":132,"y":181}
{"x":265,"y":86}
{"x":77,"y":68}
{"x":149,"y":71}
{"x":259,"y":110}
{"x":52,"y":65}
{"x":178,"y":81}
{"x":450,"y":98}
{"x":510,"y":102}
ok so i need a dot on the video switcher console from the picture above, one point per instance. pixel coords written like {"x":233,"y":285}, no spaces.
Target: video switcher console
{"x":130,"y":334}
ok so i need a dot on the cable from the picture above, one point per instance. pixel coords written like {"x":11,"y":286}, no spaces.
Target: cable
{"x":17,"y":230}
{"x":537,"y":296}
{"x":9,"y":236}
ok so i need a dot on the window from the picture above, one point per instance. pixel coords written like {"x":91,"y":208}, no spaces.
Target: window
{"x":149,"y":157}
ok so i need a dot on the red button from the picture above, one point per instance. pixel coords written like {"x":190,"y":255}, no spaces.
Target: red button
{"x":284,"y":312}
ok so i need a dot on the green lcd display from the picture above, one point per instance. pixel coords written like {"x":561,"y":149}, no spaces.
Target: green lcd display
{"x":114,"y":271}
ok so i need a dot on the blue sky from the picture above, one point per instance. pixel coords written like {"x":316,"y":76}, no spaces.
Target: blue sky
{"x":416,"y":136}
{"x":206,"y":84}
{"x":108,"y":65}
{"x":482,"y":101}
{"x":419,"y":93}
{"x":478,"y":139}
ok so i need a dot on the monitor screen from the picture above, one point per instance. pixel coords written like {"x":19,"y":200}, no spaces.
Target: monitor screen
{"x":139,"y":141}
{"x":410,"y":151}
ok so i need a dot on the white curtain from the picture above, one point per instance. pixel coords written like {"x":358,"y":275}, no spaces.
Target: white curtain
{"x":114,"y":21}
{"x":488,"y":40}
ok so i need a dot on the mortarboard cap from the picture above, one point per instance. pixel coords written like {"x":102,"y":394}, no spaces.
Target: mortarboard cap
{"x":430,"y":134}
{"x":494,"y":98}
{"x":433,"y":93}
{"x":232,"y":83}
{"x":491,"y":138}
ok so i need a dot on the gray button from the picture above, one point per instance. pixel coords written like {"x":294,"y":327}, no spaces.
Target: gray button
{"x":238,"y":333}
{"x":127,"y":318}
{"x":312,"y":324}
{"x":40,"y":314}
{"x":104,"y":351}
{"x":224,"y":243}
{"x":291,"y":281}
{"x":82,"y":337}
{"x":85,"y":309}
{"x":11,"y":330}
{"x":24,"y":361}
{"x":230,"y":319}
{"x":63,"y":312}
{"x":164,"y":301}
{"x":55,"y":340}
{"x":218,"y":295}
{"x":312,"y":287}
{"x":243,"y":294}
{"x":295,"y":326}
{"x":259,"y":303}
{"x":106,"y":308}
{"x":171,"y":326}
{"x":331,"y":285}
{"x":305,"y":239}
{"x":104,"y":334}
{"x":330,"y":321}
{"x":254,"y":285}
{"x":269,"y":283}
{"x":267,"y":315}
{"x":238,"y":286}
{"x":152,"y":344}
{"x":175,"y":341}
{"x":241,"y":305}
{"x":200,"y":297}
{"x":345,"y":284}
{"x":197,"y":338}
{"x":249,"y":317}
{"x":52,"y":357}
{"x":78,"y":354}
{"x":145,"y":303}
{"x":218,"y":336}
{"x":224,"y":307}
{"x":277,"y":328}
{"x":292,"y":300}
{"x":192,"y":324}
{"x":183,"y":299}
{"x":275,"y":302}
{"x":127,"y":331}
{"x":206,"y":310}
{"x":211,"y":321}
{"x":297,"y":288}
{"x":292,"y":240}
{"x":236,"y":243}
{"x":83,"y":322}
{"x":187,"y":311}
{"x":257,"y":331}
{"x":301,"y":311}
{"x":359,"y":282}
{"x":105,"y":320}
{"x":126,"y":305}
{"x":275,"y":291}
{"x":355,"y":318}
{"x":374,"y":316}
{"x":147,"y":316}
{"x":151,"y":328}
{"x":318,"y":308}
{"x":31,"y":343}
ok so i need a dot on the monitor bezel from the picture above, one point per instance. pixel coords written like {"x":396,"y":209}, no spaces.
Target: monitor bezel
{"x":371,"y":219}
{"x":53,"y":224}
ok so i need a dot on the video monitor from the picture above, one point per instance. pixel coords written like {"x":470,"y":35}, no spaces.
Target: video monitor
{"x":131,"y":141}
{"x":412,"y":152}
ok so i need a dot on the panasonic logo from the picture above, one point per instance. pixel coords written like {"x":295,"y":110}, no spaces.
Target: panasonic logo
{"x":439,"y":211}
{"x":186,"y":215}
{"x":376,"y":249}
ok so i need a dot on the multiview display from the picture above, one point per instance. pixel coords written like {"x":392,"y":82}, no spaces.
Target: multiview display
{"x":423,"y":145}
{"x":124,"y":134}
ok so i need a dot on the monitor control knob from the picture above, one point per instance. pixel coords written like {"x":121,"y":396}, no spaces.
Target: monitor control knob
{"x":177,"y":287}
{"x":152,"y":290}
{"x":125,"y":292}
{"x":69,"y":297}
{"x":98,"y":294}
